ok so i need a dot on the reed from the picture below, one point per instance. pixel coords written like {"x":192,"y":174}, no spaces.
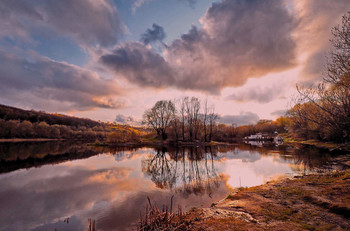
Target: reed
{"x":165,"y":219}
{"x":92,"y":226}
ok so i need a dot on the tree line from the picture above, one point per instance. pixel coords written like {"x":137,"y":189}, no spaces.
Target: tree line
{"x":12,"y":113}
{"x":27,"y":129}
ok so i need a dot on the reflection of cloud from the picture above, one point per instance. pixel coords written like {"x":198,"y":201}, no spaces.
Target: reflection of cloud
{"x":244,"y":156}
{"x":128,"y":211}
{"x":133,"y":154}
{"x":58,"y":196}
{"x":112,"y":176}
{"x":247,"y":174}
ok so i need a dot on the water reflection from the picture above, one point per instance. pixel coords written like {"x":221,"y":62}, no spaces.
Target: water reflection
{"x":14,"y":156}
{"x":188,"y":171}
{"x":111,"y":184}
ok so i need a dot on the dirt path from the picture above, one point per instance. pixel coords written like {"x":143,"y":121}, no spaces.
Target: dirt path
{"x":314,"y":202}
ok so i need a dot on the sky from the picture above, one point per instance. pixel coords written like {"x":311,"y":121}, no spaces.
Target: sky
{"x":110,"y":60}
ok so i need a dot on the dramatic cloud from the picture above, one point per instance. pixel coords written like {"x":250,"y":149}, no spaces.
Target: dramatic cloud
{"x":239,"y":40}
{"x":317,"y":18}
{"x":139,"y":65}
{"x":244,"y":118}
{"x":38,"y":80}
{"x":153,"y":35}
{"x":90,"y":22}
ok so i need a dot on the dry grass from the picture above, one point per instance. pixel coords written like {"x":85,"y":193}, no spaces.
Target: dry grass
{"x":92,"y":225}
{"x":165,"y":219}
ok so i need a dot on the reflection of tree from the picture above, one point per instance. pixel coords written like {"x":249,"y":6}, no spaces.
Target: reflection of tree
{"x":160,"y":169}
{"x":311,"y":158}
{"x":15,"y":156}
{"x":186,"y":170}
{"x":305,"y":157}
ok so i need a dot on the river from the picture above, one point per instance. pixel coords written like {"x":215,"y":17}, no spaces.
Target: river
{"x":60,"y":185}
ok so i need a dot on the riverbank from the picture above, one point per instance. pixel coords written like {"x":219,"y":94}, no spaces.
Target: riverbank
{"x":287,"y":139}
{"x":313,"y":202}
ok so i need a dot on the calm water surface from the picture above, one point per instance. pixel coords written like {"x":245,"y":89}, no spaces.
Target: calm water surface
{"x":42,"y":184}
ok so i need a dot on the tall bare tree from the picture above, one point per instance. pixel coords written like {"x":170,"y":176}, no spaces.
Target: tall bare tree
{"x":159,"y":116}
{"x":192,"y":110}
{"x":182,"y":111}
{"x":205,"y":118}
{"x":175,"y":120}
{"x":212,"y":117}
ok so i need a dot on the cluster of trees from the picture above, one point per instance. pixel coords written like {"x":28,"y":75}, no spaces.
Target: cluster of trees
{"x":183,"y":119}
{"x":323,"y":111}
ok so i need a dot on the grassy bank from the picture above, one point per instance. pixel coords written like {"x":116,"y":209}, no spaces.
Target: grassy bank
{"x":287,"y":139}
{"x":314,"y":202}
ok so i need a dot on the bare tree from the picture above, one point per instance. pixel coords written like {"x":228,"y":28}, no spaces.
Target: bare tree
{"x":196,"y":120}
{"x":212,"y":117}
{"x":183,"y":115}
{"x":205,"y":118}
{"x":338,"y":66}
{"x":159,"y":116}
{"x":192,"y":109}
{"x":326,"y":107}
{"x":175,"y":119}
